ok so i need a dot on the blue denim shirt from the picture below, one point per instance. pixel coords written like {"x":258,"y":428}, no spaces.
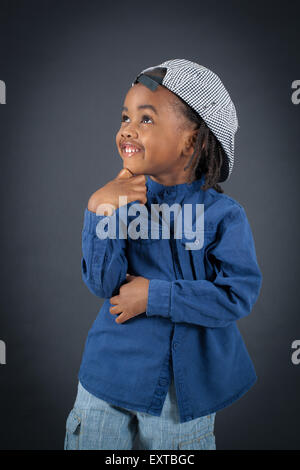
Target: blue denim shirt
{"x":195,"y":298}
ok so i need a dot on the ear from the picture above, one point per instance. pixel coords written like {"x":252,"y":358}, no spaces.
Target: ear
{"x":191,"y":139}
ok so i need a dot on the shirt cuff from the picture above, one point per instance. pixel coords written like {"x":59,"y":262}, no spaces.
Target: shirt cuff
{"x":159,"y":298}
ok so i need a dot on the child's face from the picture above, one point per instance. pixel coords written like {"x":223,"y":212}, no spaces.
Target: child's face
{"x":163,"y":136}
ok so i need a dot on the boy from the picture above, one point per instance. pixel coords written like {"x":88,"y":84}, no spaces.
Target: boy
{"x":164,"y":353}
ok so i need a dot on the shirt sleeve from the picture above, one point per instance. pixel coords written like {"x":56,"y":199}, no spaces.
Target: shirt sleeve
{"x":104,"y":262}
{"x":231,"y":293}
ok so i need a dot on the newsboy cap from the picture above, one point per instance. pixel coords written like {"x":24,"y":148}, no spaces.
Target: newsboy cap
{"x":204,"y":92}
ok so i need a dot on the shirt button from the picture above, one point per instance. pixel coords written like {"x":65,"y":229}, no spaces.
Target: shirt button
{"x":175,"y":345}
{"x":197,"y":242}
{"x":157,"y":401}
{"x":163,"y":382}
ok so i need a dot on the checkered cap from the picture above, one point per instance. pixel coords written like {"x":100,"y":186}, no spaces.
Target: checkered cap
{"x":203,"y":91}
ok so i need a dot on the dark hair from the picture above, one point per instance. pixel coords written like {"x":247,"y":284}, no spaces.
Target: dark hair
{"x":209,"y":159}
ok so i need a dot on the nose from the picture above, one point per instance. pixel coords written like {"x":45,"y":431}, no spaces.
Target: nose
{"x":128,"y":132}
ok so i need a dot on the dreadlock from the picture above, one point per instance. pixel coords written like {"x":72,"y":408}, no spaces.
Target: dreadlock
{"x":208,"y":151}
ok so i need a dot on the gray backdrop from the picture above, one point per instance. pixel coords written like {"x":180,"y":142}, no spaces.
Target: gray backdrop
{"x":67,"y":66}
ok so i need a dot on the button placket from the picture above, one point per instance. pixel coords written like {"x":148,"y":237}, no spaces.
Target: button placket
{"x":161,"y":388}
{"x":156,"y":401}
{"x":163,"y":382}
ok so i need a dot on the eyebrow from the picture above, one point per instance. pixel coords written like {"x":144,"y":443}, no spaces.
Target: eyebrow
{"x":142,"y":106}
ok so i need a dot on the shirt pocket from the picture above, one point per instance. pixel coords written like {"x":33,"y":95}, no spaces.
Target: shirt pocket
{"x":193,"y":254}
{"x":146,"y":235}
{"x":143,"y":241}
{"x":149,"y":257}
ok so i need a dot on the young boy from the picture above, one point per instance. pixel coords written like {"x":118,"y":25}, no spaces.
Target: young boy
{"x":165,"y":353}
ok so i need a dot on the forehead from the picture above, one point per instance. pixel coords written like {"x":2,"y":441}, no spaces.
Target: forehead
{"x":162,"y":99}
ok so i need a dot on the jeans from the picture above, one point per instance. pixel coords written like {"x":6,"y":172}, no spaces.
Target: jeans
{"x":97,"y":425}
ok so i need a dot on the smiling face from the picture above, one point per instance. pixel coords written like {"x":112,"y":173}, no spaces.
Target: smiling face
{"x":165,"y":140}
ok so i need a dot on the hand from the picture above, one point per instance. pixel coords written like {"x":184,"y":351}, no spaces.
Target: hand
{"x":132,"y":299}
{"x":125,"y":184}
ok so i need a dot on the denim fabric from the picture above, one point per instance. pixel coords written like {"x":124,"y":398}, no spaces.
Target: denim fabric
{"x":195,"y":298}
{"x":94,"y":424}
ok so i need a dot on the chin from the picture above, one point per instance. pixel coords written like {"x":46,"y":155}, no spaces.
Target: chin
{"x":137,"y":169}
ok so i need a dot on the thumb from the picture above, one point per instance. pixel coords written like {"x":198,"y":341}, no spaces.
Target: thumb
{"x":124,"y":173}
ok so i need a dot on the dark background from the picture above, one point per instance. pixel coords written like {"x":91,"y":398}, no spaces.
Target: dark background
{"x":67,"y":66}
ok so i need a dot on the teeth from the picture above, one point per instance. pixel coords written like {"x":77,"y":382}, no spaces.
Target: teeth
{"x":131,"y":149}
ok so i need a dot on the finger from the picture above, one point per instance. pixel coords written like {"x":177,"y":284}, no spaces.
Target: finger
{"x":138,"y":185}
{"x":139,"y":182}
{"x":139,"y":189}
{"x":141,"y":178}
{"x":122,"y":318}
{"x":138,"y":195}
{"x":124,"y":173}
{"x":114,"y":300}
{"x":116,"y":309}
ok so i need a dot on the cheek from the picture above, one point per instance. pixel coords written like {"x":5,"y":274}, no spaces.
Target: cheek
{"x":118,"y":136}
{"x":163,"y":146}
{"x":157,"y":141}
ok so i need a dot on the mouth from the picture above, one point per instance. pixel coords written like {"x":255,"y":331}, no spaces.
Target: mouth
{"x":130,"y":151}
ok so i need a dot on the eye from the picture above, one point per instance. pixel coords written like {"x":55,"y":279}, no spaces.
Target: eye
{"x":145,"y":116}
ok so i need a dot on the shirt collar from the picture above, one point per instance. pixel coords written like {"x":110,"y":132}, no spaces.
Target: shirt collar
{"x":161,"y":190}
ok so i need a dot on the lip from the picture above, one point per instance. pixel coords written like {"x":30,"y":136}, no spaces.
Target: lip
{"x":130,"y":142}
{"x":130,"y":154}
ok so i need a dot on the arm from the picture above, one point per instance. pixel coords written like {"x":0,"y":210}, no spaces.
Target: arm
{"x":104,"y":263}
{"x":232,"y":293}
